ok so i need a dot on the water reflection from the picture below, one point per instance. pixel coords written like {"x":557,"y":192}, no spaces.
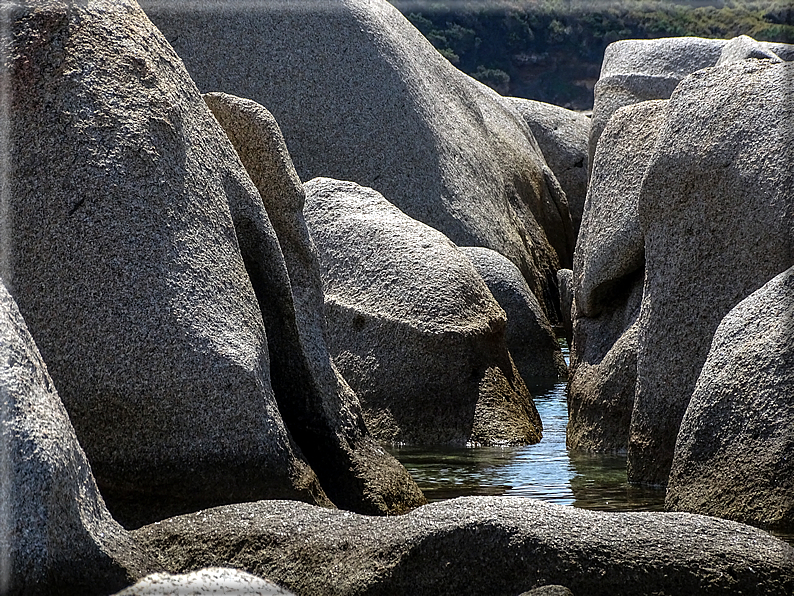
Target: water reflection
{"x":543,"y":471}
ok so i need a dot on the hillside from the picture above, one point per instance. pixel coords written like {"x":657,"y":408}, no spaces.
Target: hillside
{"x":551,"y":50}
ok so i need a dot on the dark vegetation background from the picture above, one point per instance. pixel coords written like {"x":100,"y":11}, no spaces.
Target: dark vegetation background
{"x":551,"y":50}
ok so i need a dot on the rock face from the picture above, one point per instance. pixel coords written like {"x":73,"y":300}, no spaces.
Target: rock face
{"x":563,"y":137}
{"x":212,"y":580}
{"x":565,"y":279}
{"x":142,"y":309}
{"x":528,"y":336}
{"x":318,"y":406}
{"x":361,"y":95}
{"x":733,"y":456}
{"x":745,"y":48}
{"x":609,"y":266}
{"x":478,"y":545}
{"x":412,"y":326}
{"x":636,"y":70}
{"x":717,"y":215}
{"x":56,"y":535}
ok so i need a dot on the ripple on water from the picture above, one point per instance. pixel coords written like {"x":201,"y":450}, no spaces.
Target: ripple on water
{"x":545,"y":471}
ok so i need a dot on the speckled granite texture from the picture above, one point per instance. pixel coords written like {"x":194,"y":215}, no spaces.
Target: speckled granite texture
{"x":123,"y":257}
{"x":479,"y":546}
{"x":717,"y":211}
{"x":361,"y":95}
{"x":734,"y":455}
{"x":56,"y":535}
{"x":412,"y":326}
{"x":317,"y":404}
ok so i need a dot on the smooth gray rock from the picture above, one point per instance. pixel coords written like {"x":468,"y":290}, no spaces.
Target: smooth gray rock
{"x":412,"y":325}
{"x":717,"y":211}
{"x":563,"y":137}
{"x":211,"y":580}
{"x":361,"y":95}
{"x":635,"y":70}
{"x":483,"y":546}
{"x":321,"y":411}
{"x":745,"y":48}
{"x":609,"y":265}
{"x":143,"y":308}
{"x":528,"y":334}
{"x":734,"y":453}
{"x":56,"y":535}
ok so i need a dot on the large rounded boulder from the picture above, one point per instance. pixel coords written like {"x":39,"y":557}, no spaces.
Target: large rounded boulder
{"x":475,"y":546}
{"x":318,"y":406}
{"x":412,"y":326}
{"x":121,"y":248}
{"x":608,"y":276}
{"x":716,"y":210}
{"x":56,"y":535}
{"x":361,"y":95}
{"x":733,"y":456}
{"x":529,"y":336}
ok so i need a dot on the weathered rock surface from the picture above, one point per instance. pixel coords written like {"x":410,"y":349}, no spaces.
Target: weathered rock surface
{"x":549,"y":591}
{"x":142,"y":308}
{"x":412,"y":326}
{"x":717,"y":215}
{"x":321,"y":411}
{"x":565,"y":280}
{"x":479,"y":546}
{"x":211,"y":580}
{"x":733,"y":457}
{"x":563,"y":136}
{"x":529,"y":336}
{"x":361,"y":95}
{"x":608,"y":280}
{"x":635,"y":70}
{"x":745,"y":48}
{"x":56,"y":535}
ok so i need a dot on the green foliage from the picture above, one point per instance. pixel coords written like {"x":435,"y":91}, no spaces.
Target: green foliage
{"x":551,"y":50}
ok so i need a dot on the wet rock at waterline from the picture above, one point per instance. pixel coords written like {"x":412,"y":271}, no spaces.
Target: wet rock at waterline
{"x":563,"y":137}
{"x":142,"y":308}
{"x":412,"y":326}
{"x":392,"y":114}
{"x":56,"y":535}
{"x":608,"y":280}
{"x":318,"y":406}
{"x":734,"y":455}
{"x":528,"y":335}
{"x":211,"y":580}
{"x":635,"y":70}
{"x":717,"y":218}
{"x":476,"y":546}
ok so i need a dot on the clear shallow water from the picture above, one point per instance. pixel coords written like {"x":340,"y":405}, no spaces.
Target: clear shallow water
{"x":544,"y":471}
